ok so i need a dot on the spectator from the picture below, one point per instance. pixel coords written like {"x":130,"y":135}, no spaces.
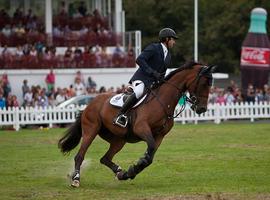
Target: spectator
{"x":61,"y":96}
{"x":50,"y":80}
{"x":91,"y":83}
{"x":5,"y":85}
{"x":51,"y":100}
{"x":102,"y":89}
{"x":79,"y":75}
{"x":79,"y":87}
{"x":71,"y":92}
{"x":220,"y":97}
{"x":250,"y":94}
{"x":259,"y":97}
{"x":6,"y":30}
{"x":2,"y":101}
{"x":212,"y":98}
{"x":14,"y":101}
{"x":28,"y":98}
{"x":229,"y":96}
{"x":82,"y":9}
{"x":43,"y":99}
{"x":78,"y":56}
{"x":25,"y":87}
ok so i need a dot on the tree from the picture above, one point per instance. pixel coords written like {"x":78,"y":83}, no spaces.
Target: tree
{"x":222,"y":27}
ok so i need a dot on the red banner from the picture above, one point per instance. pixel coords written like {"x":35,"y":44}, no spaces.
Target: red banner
{"x":253,"y":56}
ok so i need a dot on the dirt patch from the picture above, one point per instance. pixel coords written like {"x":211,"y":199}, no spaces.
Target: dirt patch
{"x":212,"y":197}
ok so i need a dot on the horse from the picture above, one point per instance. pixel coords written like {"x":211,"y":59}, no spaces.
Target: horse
{"x":149,"y":122}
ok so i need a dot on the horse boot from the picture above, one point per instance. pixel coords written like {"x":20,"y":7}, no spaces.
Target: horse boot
{"x":121,"y":119}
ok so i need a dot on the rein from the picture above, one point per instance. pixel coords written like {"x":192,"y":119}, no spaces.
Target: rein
{"x":192,"y":99}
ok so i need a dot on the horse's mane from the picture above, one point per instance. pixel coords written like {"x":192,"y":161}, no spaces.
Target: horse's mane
{"x":187,"y":65}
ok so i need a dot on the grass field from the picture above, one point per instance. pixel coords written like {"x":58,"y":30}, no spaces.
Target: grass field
{"x":206,"y":161}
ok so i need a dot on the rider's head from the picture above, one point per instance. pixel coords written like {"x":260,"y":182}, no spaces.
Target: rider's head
{"x":167,"y":36}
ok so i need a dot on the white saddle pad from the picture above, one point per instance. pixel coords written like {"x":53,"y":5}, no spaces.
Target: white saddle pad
{"x":117,"y":100}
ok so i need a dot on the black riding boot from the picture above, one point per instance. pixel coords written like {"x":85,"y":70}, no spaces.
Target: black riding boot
{"x":121,"y":119}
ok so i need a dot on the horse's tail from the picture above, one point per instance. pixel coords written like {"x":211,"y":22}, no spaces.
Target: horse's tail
{"x":72,"y":136}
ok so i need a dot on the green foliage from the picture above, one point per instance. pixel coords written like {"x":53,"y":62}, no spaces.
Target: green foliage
{"x":205,"y":161}
{"x":222,"y":27}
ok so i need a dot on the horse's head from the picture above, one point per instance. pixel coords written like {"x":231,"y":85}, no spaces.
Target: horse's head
{"x":198,"y":85}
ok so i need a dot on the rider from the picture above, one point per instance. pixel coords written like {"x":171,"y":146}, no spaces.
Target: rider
{"x":153,"y":63}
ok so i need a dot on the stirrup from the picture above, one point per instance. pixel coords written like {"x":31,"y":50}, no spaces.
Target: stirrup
{"x":119,"y":121}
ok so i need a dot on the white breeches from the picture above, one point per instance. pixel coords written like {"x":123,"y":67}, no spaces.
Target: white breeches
{"x":138,"y":88}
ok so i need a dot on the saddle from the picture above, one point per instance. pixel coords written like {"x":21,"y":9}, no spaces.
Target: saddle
{"x":118,"y":100}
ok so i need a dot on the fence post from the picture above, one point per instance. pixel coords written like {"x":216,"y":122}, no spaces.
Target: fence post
{"x":16,"y":125}
{"x":217,"y":113}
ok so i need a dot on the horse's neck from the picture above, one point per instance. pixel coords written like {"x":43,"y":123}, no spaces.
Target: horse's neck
{"x":171,"y":91}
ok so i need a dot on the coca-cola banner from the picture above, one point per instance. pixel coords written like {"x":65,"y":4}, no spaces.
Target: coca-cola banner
{"x":254,"y":56}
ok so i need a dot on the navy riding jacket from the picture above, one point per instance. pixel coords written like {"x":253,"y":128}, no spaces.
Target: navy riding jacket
{"x":151,"y":59}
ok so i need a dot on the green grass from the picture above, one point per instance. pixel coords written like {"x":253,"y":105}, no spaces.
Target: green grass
{"x":206,"y":161}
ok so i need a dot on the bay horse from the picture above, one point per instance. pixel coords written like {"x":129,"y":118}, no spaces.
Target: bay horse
{"x":150,"y":122}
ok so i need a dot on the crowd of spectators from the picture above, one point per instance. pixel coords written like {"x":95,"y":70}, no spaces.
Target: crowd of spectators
{"x":72,"y":25}
{"x":233,"y":94}
{"x":39,"y":56}
{"x":36,"y":96}
{"x":87,"y":35}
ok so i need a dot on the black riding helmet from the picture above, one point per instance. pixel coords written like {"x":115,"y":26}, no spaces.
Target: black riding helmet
{"x":167,"y":32}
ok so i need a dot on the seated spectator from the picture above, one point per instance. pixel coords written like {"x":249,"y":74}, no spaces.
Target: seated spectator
{"x":14,"y":101}
{"x":103,"y":59}
{"x":57,"y":32}
{"x":78,"y":56}
{"x":130,"y":59}
{"x":82,"y":9}
{"x":118,"y":56}
{"x":61,"y":96}
{"x":19,"y":52}
{"x":51,"y":100}
{"x":6,"y":30}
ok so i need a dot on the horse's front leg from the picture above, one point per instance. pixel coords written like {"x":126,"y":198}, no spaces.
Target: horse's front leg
{"x":143,"y":162}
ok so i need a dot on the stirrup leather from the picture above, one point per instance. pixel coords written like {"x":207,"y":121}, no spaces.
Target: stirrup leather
{"x":121,"y":120}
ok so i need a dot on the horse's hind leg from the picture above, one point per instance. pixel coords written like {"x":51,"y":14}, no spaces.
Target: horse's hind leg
{"x":89,"y":132}
{"x":147,"y":159}
{"x":116,"y":144}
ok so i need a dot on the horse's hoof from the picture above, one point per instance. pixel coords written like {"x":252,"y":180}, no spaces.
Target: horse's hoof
{"x":122,"y":175}
{"x":75,"y":183}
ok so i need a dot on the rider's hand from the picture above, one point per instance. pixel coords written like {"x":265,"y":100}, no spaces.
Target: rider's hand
{"x":157,"y":75}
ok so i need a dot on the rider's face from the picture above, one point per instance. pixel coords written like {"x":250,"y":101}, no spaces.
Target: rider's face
{"x":171,"y":43}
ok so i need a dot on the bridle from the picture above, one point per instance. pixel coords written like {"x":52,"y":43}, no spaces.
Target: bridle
{"x":192,"y":99}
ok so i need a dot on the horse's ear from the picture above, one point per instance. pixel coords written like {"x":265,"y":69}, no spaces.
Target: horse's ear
{"x":213,"y":68}
{"x":210,"y":69}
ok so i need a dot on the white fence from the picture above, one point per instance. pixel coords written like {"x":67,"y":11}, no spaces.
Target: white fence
{"x":18,"y":117}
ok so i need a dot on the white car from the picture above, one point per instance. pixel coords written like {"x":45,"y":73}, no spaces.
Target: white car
{"x":77,"y":101}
